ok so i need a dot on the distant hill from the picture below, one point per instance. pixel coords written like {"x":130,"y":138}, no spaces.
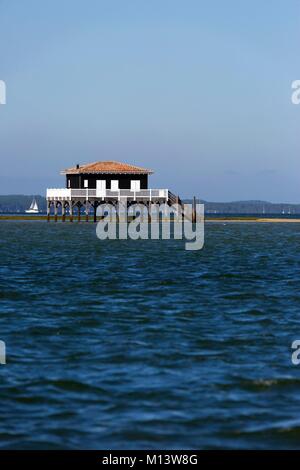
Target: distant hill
{"x":250,"y":207}
{"x":18,"y":203}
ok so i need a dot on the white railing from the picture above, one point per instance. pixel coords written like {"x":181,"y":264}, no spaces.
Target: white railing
{"x":59,"y":193}
{"x":83,"y":193}
{"x":68,"y":194}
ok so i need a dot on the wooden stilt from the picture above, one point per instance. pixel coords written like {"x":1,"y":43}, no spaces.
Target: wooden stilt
{"x":86,"y":211}
{"x":48,"y":211}
{"x":55,"y":212}
{"x":63,"y":212}
{"x":95,"y":212}
{"x":79,"y":215}
{"x":194,"y":211}
{"x":71,"y":211}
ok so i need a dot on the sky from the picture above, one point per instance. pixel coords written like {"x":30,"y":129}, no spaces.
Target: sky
{"x":197,"y":90}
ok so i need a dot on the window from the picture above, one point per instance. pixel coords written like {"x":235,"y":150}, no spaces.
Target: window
{"x":135,"y":185}
{"x":114,"y":185}
{"x":86,"y":183}
{"x":100,"y":188}
{"x":69,"y":183}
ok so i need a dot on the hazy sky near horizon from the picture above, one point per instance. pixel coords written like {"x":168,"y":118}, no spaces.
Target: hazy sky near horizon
{"x":200,"y":91}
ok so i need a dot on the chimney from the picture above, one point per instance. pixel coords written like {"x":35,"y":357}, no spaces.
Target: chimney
{"x":77,"y":166}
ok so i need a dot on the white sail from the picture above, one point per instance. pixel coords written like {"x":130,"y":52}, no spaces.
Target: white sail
{"x":33,"y":209}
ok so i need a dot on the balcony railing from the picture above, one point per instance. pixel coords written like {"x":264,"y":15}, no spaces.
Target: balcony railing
{"x":69,"y":194}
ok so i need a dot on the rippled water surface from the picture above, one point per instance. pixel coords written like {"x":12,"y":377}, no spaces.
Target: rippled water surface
{"x":141,"y":344}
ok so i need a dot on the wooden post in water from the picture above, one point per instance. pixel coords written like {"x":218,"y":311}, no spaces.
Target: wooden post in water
{"x":63,"y":212}
{"x":86,"y":211}
{"x":118,"y":212}
{"x":194,"y":210}
{"x":79,"y":215}
{"x":71,"y":211}
{"x":48,"y":211}
{"x":55,"y":212}
{"x":95,"y":211}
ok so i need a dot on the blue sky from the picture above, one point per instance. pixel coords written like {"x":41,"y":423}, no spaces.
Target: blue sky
{"x":197,"y":90}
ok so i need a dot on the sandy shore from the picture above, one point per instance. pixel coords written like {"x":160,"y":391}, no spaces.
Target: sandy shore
{"x":252,"y":219}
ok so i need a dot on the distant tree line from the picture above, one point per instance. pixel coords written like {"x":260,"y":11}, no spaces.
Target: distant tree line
{"x":18,"y":203}
{"x":249,"y":207}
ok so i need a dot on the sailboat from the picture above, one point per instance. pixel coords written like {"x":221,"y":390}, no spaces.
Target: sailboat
{"x":33,"y":209}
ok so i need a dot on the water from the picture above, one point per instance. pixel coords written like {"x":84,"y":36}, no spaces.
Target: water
{"x":131,"y":344}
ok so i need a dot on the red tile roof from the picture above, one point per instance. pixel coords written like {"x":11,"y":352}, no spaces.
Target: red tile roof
{"x":107,"y":167}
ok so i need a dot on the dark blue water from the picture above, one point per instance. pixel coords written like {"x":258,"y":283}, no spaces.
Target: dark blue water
{"x":141,"y":344}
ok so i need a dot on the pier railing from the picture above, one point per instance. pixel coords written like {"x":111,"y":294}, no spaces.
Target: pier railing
{"x":57,"y":194}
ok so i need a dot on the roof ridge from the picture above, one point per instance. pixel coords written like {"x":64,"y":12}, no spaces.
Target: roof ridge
{"x":115,"y":167}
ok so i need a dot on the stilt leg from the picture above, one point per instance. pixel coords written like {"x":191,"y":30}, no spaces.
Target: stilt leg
{"x":194,"y":211}
{"x":63,"y":211}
